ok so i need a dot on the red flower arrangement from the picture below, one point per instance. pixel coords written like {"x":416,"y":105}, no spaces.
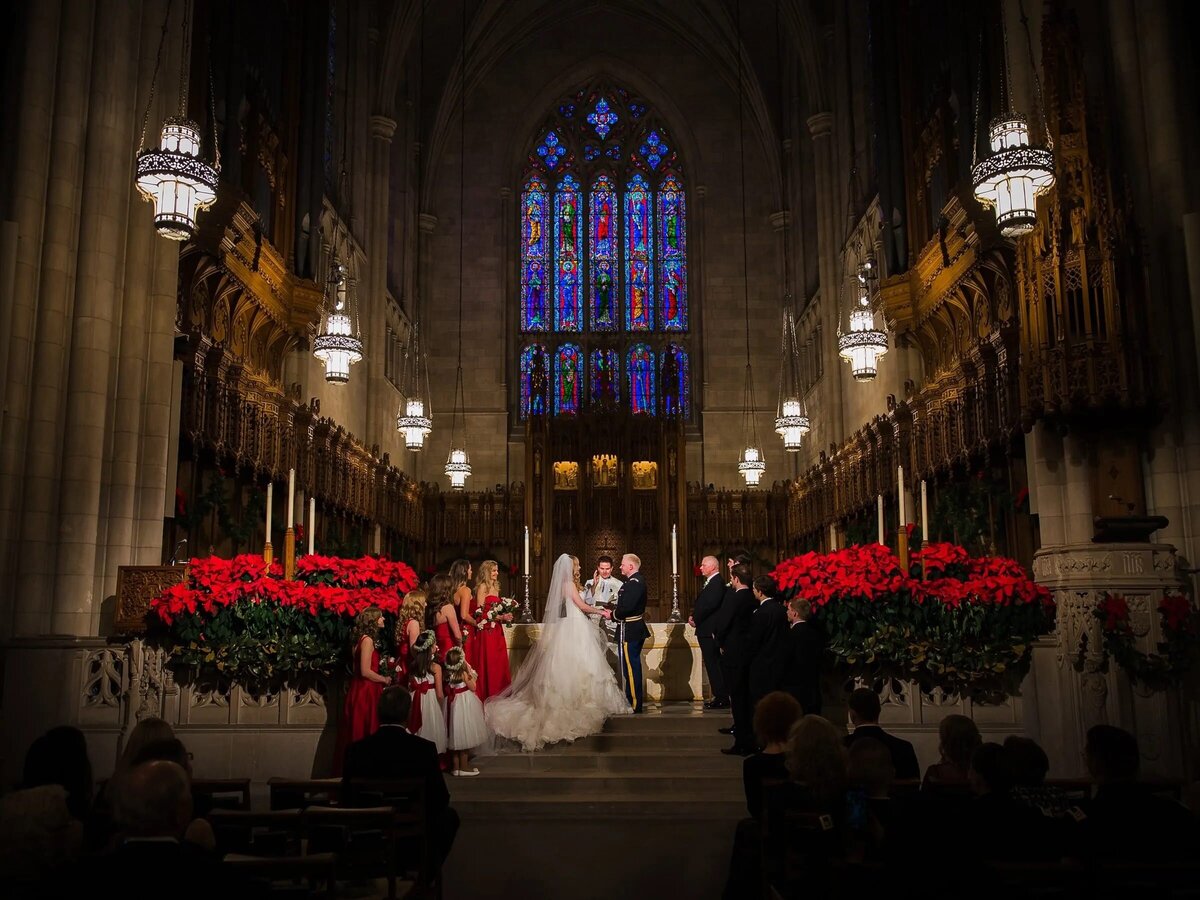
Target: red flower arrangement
{"x":240,"y":620}
{"x":967,"y":627}
{"x":1176,"y":654}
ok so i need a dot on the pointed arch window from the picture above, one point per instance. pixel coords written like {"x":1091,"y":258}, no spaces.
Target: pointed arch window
{"x":603,"y":261}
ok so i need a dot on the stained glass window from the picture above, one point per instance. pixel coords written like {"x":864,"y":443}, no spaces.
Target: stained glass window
{"x":640,"y":376}
{"x":654,"y":149}
{"x":675,"y":382}
{"x":551,"y":149}
{"x":535,"y":256}
{"x":672,"y":256}
{"x":535,"y":370}
{"x":604,"y":250}
{"x":604,"y":373}
{"x":639,"y":257}
{"x":568,"y":256}
{"x":568,"y":380}
{"x":602,"y":118}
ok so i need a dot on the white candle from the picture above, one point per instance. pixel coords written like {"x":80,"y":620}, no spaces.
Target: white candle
{"x":924,"y":513}
{"x":900,"y":494}
{"x":880,"y":516}
{"x":526,"y":549}
{"x":378,"y":539}
{"x":270,"y":501}
{"x":312,"y":523}
{"x":291,"y":519}
{"x":674,"y":552}
{"x":833,"y":537}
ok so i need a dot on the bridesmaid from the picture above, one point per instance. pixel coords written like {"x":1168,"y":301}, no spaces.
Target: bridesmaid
{"x":487,"y":651}
{"x":360,"y":713}
{"x":440,"y":614}
{"x":461,"y":574}
{"x":408,"y":628}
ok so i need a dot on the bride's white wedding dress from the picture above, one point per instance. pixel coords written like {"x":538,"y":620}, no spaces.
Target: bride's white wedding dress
{"x":565,"y":689}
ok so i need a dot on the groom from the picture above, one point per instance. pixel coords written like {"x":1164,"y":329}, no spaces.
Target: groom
{"x":631,"y":629}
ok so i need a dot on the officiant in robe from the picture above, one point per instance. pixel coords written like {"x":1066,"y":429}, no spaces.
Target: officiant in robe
{"x":602,"y":589}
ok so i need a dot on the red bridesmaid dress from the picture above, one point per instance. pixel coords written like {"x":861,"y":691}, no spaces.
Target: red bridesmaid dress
{"x":445,"y":638}
{"x":490,"y":656}
{"x":360,"y":713}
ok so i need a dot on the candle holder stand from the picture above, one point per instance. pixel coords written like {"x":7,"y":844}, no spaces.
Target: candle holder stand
{"x":289,"y":554}
{"x":674,"y":618}
{"x":526,"y":612}
{"x":268,"y":554}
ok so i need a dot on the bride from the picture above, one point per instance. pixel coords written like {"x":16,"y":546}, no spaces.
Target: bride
{"x":566,"y":688}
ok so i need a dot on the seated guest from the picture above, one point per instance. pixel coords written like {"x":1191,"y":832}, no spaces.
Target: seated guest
{"x":153,"y":808}
{"x":60,"y":756}
{"x":958,"y":739}
{"x":1030,"y":766}
{"x":1124,"y":821}
{"x":199,"y":831}
{"x":774,"y":717}
{"x":864,"y":716}
{"x":803,"y":653}
{"x":816,"y":760}
{"x":393,"y":753}
{"x":876,"y":829}
{"x":1000,"y":827}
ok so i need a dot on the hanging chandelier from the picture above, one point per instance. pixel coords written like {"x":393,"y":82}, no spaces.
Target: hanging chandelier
{"x":751,"y":464}
{"x":1016,"y":172}
{"x":172,"y":176}
{"x":415,"y":418}
{"x":863,"y":344}
{"x":458,"y":462}
{"x":338,"y":343}
{"x":791,"y":418}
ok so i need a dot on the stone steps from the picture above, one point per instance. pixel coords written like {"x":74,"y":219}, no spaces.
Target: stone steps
{"x":642,"y":760}
{"x":505,"y":786}
{"x":585,"y":808}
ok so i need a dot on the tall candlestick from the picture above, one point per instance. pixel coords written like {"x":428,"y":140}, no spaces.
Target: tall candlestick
{"x":674,"y":552}
{"x":900,"y":494}
{"x":312,"y":523}
{"x":291,"y":519}
{"x":833,"y":537}
{"x":270,"y":502}
{"x":526,"y":549}
{"x":378,"y":539}
{"x":924,"y":513}
{"x":880,"y":517}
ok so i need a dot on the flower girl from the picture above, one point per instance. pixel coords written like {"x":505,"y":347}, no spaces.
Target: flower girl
{"x":464,"y":712}
{"x":425,"y":680}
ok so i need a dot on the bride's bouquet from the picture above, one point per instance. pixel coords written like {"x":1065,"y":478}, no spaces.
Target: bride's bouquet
{"x":494,"y":616}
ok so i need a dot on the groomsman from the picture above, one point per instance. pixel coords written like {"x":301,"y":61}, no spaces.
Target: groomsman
{"x":631,"y":628}
{"x":703,"y":617}
{"x":732,"y":632}
{"x":805,"y":648}
{"x":766,"y":646}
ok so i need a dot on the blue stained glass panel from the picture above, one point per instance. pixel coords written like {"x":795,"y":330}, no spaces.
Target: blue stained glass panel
{"x":535,"y":371}
{"x":568,"y":380}
{"x":654,"y":148}
{"x":602,"y":118}
{"x":604,"y":254}
{"x":535,"y":256}
{"x":614,"y":152}
{"x":672,"y":256}
{"x":568,"y":256}
{"x":551,"y":149}
{"x":639,"y":257}
{"x":590,"y":152}
{"x":640,"y":374}
{"x":637,"y":110}
{"x":605,"y":375}
{"x":676,"y":382}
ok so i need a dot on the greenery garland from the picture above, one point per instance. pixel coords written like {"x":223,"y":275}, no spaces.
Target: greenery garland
{"x":1177,"y":653}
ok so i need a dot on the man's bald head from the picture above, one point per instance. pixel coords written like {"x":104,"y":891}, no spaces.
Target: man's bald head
{"x":154,"y":799}
{"x":709,"y":566}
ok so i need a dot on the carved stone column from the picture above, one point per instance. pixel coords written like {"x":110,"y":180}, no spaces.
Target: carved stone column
{"x":378,"y":392}
{"x":1073,"y":687}
{"x":828,"y":254}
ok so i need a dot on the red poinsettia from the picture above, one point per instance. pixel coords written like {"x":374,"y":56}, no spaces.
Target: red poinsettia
{"x":1177,"y":613}
{"x":1114,"y":611}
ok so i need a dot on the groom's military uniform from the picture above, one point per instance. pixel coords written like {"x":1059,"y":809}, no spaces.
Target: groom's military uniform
{"x":631,"y":635}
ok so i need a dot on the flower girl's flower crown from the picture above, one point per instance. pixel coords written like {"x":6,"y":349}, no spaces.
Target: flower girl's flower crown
{"x":455,"y":660}
{"x":424,"y":641}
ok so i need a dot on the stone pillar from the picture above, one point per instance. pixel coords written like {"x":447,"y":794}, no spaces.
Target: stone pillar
{"x":1077,"y":491}
{"x":1043,"y":449}
{"x":56,"y":282}
{"x":106,"y":196}
{"x":424,"y":465}
{"x":820,"y":126}
{"x":378,"y":393}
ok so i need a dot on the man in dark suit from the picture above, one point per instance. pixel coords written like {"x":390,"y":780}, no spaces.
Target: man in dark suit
{"x":864,"y":716}
{"x":732,"y":631}
{"x":767,"y":642}
{"x":704,"y":612}
{"x":803,"y":656}
{"x":632,"y":632}
{"x":393,"y":753}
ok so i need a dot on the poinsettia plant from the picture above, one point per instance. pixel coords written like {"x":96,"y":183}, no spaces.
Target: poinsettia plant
{"x":239,"y":620}
{"x":1177,"y":653}
{"x":962,"y":624}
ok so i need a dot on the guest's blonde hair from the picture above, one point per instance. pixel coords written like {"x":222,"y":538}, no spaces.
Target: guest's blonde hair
{"x":488,"y":576}
{"x":149,"y":730}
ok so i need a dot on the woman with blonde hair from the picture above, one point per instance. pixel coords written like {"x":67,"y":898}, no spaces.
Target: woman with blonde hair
{"x":360,"y":713}
{"x":409,"y":624}
{"x":440,"y":614}
{"x":487,"y":651}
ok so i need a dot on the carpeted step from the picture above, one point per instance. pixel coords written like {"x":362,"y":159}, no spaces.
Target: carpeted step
{"x":588,"y":807}
{"x":667,"y":761}
{"x":555,"y":785}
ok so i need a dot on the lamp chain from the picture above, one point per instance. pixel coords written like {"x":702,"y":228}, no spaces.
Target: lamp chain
{"x":162,"y":40}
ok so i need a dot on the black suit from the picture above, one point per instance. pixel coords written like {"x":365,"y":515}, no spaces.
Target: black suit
{"x":632,"y":632}
{"x":766,"y":648}
{"x":805,"y":647}
{"x":392,"y":752}
{"x":732,"y":631}
{"x":704,"y":614}
{"x":155,"y":869}
{"x":904,"y":757}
